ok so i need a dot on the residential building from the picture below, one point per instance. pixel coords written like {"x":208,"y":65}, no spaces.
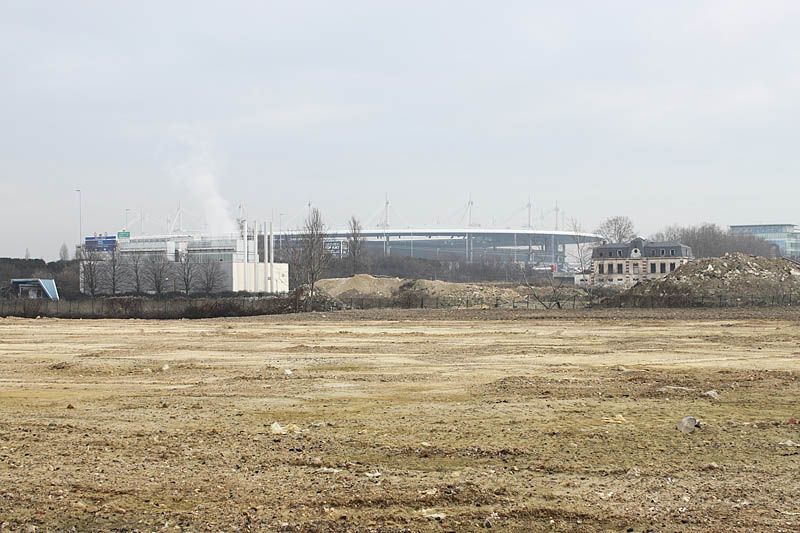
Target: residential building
{"x":629,"y":263}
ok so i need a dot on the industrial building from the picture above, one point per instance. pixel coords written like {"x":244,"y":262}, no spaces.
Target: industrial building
{"x":784,"y":237}
{"x":242,"y":262}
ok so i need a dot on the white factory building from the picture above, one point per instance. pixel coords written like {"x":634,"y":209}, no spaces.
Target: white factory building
{"x":242,"y":262}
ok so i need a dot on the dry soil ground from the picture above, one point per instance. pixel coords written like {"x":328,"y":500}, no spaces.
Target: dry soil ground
{"x":402,"y":421}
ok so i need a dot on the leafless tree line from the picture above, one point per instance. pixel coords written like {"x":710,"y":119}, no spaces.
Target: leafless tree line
{"x":706,"y":240}
{"x":710,"y":240}
{"x":115,"y":273}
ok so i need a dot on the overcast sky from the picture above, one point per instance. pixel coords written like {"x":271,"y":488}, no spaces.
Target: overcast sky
{"x":668,"y":112}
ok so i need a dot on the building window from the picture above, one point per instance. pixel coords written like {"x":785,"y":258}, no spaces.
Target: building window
{"x":672,"y":252}
{"x":600,"y":268}
{"x":620,"y":268}
{"x":663,"y":268}
{"x":601,"y":254}
{"x":619,"y":253}
{"x":671,"y":267}
{"x":662,"y":252}
{"x":636,"y":268}
{"x":652,"y":268}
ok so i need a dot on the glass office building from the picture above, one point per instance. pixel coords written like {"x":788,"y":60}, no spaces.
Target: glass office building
{"x":785,"y":237}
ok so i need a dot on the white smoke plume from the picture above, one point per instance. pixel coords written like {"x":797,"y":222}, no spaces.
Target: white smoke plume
{"x":196,"y":174}
{"x":205,"y":190}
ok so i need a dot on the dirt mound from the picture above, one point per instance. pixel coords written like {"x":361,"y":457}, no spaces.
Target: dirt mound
{"x":361,"y":286}
{"x":731,"y":277}
{"x":457,"y":293}
{"x":447,"y":293}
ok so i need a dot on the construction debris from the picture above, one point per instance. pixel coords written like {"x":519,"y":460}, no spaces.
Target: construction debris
{"x":687,"y":425}
{"x":733,"y":279}
{"x":277,"y":429}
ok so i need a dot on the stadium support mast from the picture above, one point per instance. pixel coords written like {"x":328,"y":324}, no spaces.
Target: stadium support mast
{"x":530,"y":206}
{"x":271,"y":259}
{"x":244,"y":222}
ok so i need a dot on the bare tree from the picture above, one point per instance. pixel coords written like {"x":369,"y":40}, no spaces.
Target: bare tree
{"x":156,"y":271}
{"x":581,"y":253}
{"x":187,"y":271}
{"x":551,"y":294}
{"x":617,"y":229}
{"x":63,"y":252}
{"x":582,"y":256}
{"x":135,"y":266}
{"x":114,"y":272}
{"x":292,"y":253}
{"x":313,"y":257}
{"x":355,"y":243}
{"x":90,"y":271}
{"x":209,"y":275}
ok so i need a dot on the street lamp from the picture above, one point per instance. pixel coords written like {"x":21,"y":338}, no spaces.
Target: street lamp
{"x":80,"y":217}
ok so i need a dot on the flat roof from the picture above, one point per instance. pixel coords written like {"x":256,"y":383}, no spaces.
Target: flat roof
{"x":760,"y":225}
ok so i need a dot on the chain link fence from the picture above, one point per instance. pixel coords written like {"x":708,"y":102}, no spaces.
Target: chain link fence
{"x":176,"y":308}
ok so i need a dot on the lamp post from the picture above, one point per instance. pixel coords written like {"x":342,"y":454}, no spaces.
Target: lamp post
{"x":80,"y":217}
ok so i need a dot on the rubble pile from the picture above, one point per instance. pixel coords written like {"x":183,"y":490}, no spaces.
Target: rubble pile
{"x":733,"y":277}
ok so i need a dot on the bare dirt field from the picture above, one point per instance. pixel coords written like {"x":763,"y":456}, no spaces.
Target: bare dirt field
{"x":403,"y":421}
